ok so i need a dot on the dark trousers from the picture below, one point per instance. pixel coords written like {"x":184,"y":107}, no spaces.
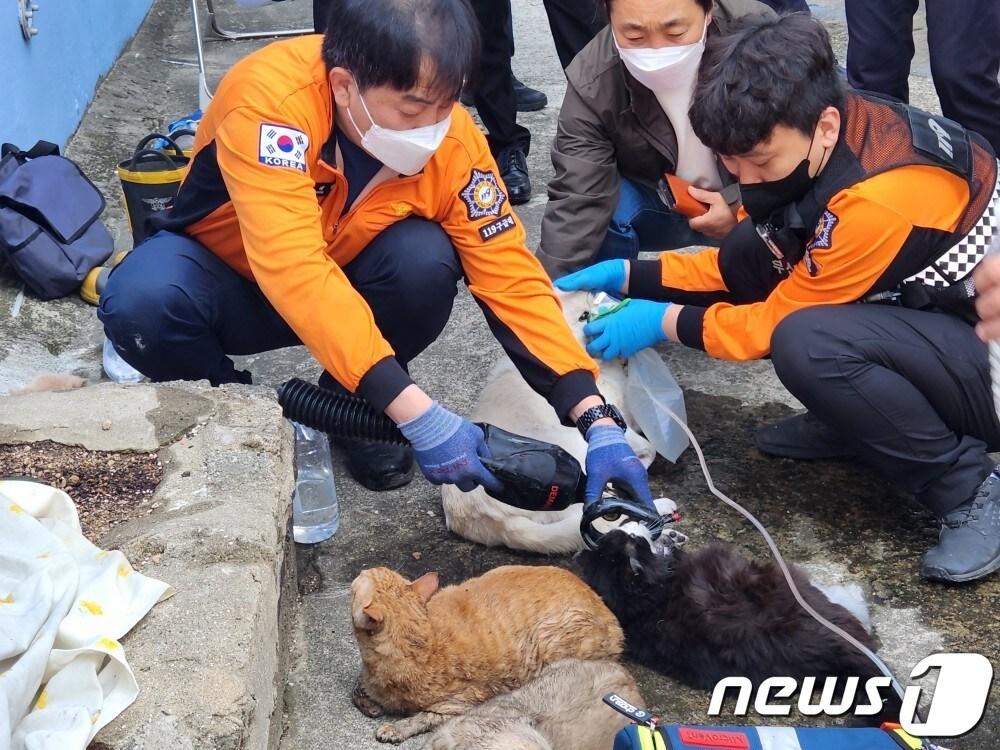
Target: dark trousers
{"x":573,"y":23}
{"x":174,"y":310}
{"x":494,"y":85}
{"x":912,"y":388}
{"x":321,"y":9}
{"x":963,"y":37}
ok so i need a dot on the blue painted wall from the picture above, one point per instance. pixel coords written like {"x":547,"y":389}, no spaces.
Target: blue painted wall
{"x":47,"y":83}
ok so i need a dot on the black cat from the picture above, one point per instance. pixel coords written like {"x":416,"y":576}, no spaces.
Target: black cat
{"x":706,"y":614}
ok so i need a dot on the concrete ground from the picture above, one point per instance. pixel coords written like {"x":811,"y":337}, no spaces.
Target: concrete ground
{"x":836,"y":519}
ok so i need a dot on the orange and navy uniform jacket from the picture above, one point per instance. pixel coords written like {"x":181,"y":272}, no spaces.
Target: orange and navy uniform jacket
{"x":884,"y":211}
{"x":261,"y":196}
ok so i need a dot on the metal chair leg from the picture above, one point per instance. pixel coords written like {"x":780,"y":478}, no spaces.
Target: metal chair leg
{"x":228,"y":34}
{"x":204,"y":92}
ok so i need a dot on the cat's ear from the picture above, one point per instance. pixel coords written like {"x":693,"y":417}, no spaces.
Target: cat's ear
{"x":635,"y":565}
{"x":426,"y":586}
{"x":371,"y":618}
{"x":632,"y":553}
{"x":363,"y":593}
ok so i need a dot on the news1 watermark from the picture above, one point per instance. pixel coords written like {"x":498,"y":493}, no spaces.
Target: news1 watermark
{"x":957,"y":705}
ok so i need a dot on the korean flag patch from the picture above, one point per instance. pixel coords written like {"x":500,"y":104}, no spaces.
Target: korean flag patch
{"x":282,"y":146}
{"x":483,"y":195}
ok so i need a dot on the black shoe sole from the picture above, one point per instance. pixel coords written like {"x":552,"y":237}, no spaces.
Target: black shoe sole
{"x":542,"y":104}
{"x":991,"y":567}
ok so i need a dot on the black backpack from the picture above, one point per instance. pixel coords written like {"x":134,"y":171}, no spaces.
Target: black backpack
{"x":50,"y":228}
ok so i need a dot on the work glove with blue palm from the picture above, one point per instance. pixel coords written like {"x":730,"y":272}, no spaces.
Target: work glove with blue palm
{"x":606,"y":276}
{"x":448,"y":449}
{"x":611,"y":459}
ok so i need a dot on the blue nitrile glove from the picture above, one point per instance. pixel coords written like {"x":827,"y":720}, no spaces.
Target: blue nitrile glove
{"x":447,"y":449}
{"x":611,"y":459}
{"x":627,"y":330}
{"x":607,"y":276}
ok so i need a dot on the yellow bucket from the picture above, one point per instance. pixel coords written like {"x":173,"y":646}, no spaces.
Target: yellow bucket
{"x":150,"y":180}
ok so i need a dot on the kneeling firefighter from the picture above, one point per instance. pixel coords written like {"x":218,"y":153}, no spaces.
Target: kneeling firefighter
{"x":336,"y":195}
{"x":851,"y":199}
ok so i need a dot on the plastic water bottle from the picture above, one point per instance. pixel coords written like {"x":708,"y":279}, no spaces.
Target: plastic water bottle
{"x":315,"y":514}
{"x":117,"y":368}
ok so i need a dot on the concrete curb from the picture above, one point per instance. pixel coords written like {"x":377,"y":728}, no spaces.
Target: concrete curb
{"x":210,"y":661}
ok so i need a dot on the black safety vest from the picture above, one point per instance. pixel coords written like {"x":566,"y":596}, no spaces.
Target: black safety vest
{"x":878,"y":135}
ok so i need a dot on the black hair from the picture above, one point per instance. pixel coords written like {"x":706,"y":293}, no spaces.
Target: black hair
{"x":386,"y":42}
{"x":706,"y":5}
{"x":763,"y":72}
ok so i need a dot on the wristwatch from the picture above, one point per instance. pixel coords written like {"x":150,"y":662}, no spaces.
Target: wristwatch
{"x":600,"y":411}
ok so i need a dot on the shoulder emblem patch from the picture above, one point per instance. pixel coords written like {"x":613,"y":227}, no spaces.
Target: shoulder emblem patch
{"x":281,"y":146}
{"x":823,"y":236}
{"x":483,"y":195}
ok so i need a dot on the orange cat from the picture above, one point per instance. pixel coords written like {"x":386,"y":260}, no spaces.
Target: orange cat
{"x":438,"y":653}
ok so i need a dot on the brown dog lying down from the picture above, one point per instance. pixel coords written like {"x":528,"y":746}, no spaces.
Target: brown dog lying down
{"x":436,"y":654}
{"x":561,"y":710}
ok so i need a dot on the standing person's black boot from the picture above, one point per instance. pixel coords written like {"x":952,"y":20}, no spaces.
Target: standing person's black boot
{"x":527,"y":99}
{"x":969,"y":545}
{"x":377,"y":466}
{"x":514,"y":172}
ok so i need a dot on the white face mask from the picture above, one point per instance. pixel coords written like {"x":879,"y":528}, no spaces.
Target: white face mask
{"x":665,"y":68}
{"x":406,"y":151}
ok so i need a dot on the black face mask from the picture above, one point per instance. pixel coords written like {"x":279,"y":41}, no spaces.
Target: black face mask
{"x":762,"y":199}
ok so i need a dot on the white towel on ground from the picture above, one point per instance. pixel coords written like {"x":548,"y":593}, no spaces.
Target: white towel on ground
{"x":64,"y":605}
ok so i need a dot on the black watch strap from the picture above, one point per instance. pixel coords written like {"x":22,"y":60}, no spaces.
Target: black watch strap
{"x":600,"y":411}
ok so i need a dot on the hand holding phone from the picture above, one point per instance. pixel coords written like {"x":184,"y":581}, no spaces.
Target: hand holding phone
{"x":673,"y":191}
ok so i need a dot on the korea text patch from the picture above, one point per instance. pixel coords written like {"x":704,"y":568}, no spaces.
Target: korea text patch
{"x":504,"y":224}
{"x":483,"y":195}
{"x":281,"y":146}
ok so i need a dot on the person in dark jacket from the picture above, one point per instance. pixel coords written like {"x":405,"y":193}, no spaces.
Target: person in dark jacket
{"x":623,"y":123}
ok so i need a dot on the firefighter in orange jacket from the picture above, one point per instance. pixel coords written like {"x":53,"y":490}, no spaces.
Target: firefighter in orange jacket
{"x":851,"y":198}
{"x":335,"y":197}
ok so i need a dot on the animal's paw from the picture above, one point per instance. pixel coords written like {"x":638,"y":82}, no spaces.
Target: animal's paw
{"x":366,"y":704}
{"x":389,"y":733}
{"x":674,"y":538}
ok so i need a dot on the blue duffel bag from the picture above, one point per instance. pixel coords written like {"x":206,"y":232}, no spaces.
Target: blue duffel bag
{"x":50,"y":227}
